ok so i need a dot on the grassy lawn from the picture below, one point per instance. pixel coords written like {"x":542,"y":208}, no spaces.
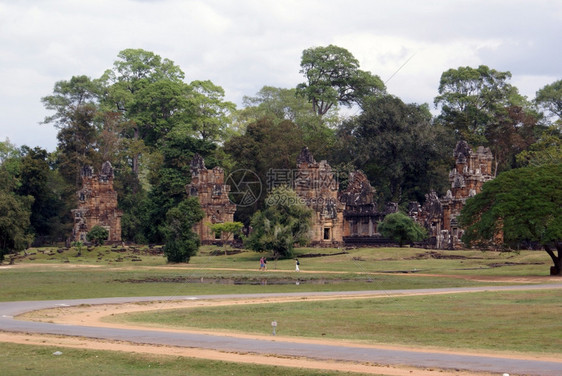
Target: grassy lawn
{"x":19,"y":360}
{"x":48,"y":283}
{"x":518,"y":321}
{"x":53,"y":273}
{"x":515,"y":321}
{"x":359,"y":260}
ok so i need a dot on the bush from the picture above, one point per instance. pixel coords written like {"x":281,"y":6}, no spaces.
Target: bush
{"x":181,"y":241}
{"x":98,"y":235}
{"x":401,"y":228}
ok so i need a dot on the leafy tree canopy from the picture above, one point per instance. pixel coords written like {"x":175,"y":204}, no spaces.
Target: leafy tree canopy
{"x":284,"y":223}
{"x":68,"y":97}
{"x":284,"y":104}
{"x":547,"y":150}
{"x":550,"y":98}
{"x":226,"y":231}
{"x":401,"y":228}
{"x":519,"y":206}
{"x":399,"y":149}
{"x":10,"y":166}
{"x":471,"y":98}
{"x":211,"y":114}
{"x":265,"y":146}
{"x":510,"y":133}
{"x":181,"y":241}
{"x":229,"y":229}
{"x":38,"y":180}
{"x":14,"y":222}
{"x":333,"y":76}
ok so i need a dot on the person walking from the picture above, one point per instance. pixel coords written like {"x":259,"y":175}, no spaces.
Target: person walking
{"x":262,"y":263}
{"x":297,"y":263}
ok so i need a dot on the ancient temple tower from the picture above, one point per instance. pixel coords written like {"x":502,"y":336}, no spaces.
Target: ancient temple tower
{"x":208,"y":186}
{"x":97,"y":205}
{"x":439,"y":215}
{"x":472,"y":170}
{"x":316,"y":184}
{"x":430,"y":216}
{"x":361,"y":215}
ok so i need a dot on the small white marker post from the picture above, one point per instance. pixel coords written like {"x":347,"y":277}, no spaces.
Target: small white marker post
{"x":274,"y":325}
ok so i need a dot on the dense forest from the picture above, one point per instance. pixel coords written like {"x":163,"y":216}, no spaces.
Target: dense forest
{"x":148,"y":121}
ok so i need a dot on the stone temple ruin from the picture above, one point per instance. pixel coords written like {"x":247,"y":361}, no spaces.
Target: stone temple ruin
{"x":351,"y":216}
{"x":316,"y":184}
{"x":361,"y":214}
{"x":208,"y":186}
{"x":97,"y":205}
{"x":439,"y":215}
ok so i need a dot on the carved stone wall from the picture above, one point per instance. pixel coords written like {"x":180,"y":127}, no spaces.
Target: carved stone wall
{"x":97,"y":205}
{"x":316,"y":184}
{"x":361,"y":214}
{"x":430,"y":216}
{"x":208,"y":186}
{"x":350,"y":216}
{"x":472,"y":170}
{"x":439,"y":216}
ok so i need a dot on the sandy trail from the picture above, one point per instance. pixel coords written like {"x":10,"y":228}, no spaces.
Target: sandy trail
{"x":94,"y":315}
{"x":93,"y":344}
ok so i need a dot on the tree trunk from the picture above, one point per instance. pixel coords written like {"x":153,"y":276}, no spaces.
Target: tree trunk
{"x":557,"y":260}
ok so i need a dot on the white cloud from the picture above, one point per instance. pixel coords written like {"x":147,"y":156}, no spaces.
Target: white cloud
{"x":245,"y":44}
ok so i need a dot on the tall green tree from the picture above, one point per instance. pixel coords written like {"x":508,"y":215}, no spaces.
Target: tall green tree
{"x":266,"y":146}
{"x":169,"y":174}
{"x":518,"y":207}
{"x":10,"y":166}
{"x":49,"y":209}
{"x":68,"y":97}
{"x":318,"y":132}
{"x":157,"y":108}
{"x":75,"y":103}
{"x":211,"y":115}
{"x":181,"y":241}
{"x":14,"y":223}
{"x":286,"y":221}
{"x":402,"y":152}
{"x":549,"y":98}
{"x":145,"y":89}
{"x":333,"y":77}
{"x":15,"y":210}
{"x":547,"y":149}
{"x":472,"y":98}
{"x":512,"y":132}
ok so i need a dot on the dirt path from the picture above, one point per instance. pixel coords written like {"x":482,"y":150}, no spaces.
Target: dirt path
{"x":94,"y":315}
{"x":92,"y":344}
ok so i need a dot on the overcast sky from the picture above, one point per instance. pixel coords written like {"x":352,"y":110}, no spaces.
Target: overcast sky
{"x":243,"y":45}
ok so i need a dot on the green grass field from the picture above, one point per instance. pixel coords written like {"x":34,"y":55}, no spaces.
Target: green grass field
{"x":17,"y":360}
{"x":507,"y":321}
{"x":53,"y":275}
{"x":513,"y":321}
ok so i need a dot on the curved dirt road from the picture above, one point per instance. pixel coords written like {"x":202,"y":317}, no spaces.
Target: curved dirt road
{"x":283,"y":348}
